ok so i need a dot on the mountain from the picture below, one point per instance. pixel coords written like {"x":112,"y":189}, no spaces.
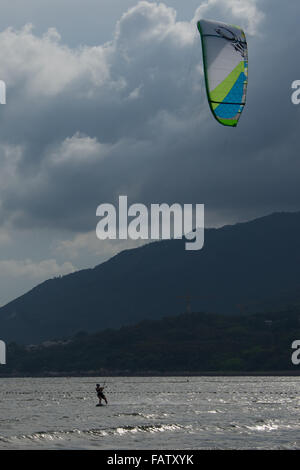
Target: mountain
{"x":254,"y":265}
{"x":189,"y":343}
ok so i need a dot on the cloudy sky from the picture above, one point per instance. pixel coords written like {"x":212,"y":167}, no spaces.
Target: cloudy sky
{"x":107,"y":97}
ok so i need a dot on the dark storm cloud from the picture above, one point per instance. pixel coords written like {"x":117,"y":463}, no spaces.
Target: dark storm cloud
{"x":130,"y":117}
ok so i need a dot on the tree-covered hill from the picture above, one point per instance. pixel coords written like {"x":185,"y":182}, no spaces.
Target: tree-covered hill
{"x":191,"y":343}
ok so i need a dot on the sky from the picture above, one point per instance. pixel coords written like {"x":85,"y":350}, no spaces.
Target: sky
{"x":107,"y":98}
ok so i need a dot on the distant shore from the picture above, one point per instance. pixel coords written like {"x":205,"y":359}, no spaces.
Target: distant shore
{"x":54,"y":374}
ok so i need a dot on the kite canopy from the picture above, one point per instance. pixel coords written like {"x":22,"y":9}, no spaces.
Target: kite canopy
{"x":225,"y":58}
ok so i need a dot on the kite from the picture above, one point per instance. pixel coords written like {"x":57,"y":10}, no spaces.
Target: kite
{"x":225,"y":59}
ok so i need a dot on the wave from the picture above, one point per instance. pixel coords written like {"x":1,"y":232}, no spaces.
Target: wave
{"x":45,"y":436}
{"x":144,"y":415}
{"x":264,"y":426}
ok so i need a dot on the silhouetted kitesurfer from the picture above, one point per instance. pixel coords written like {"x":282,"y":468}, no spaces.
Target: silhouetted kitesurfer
{"x":100,"y":394}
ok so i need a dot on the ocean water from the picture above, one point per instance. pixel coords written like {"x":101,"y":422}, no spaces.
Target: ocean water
{"x":151,"y":413}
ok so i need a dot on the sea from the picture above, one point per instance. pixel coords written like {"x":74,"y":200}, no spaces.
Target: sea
{"x":150,"y":413}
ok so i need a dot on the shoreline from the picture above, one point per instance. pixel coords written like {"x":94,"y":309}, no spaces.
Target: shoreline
{"x":55,"y":374}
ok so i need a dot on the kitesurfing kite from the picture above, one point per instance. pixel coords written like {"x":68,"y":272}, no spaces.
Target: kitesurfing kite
{"x":225,"y":59}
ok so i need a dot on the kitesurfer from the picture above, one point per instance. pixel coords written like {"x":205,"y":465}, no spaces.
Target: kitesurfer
{"x":100,"y":394}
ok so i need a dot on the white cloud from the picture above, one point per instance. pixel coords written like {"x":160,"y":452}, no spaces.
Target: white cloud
{"x":144,"y":23}
{"x":5,"y":238}
{"x":246,"y":11}
{"x":37,"y":271}
{"x":78,"y":148}
{"x":88,"y":242}
{"x":135,"y":94}
{"x":42,"y":66}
